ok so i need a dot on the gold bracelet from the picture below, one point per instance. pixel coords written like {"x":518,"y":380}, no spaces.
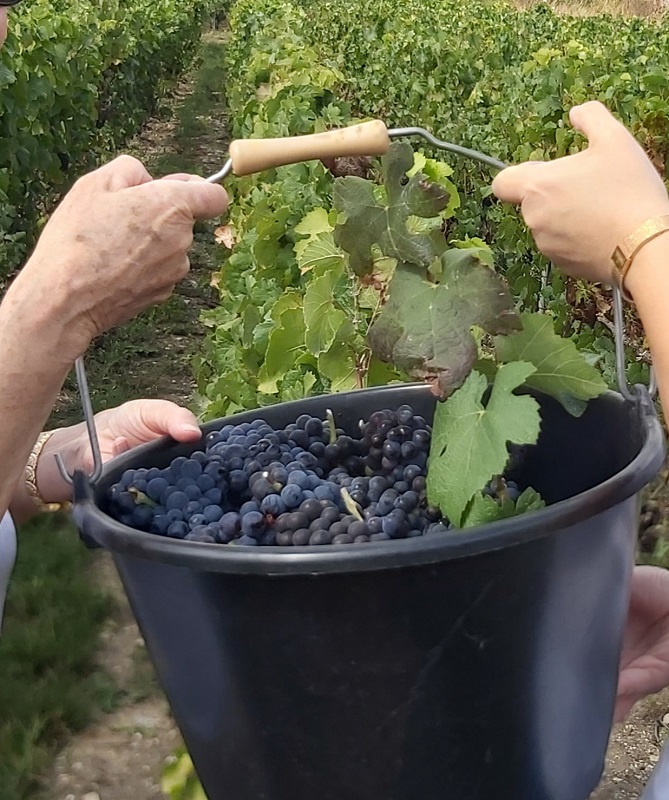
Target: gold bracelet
{"x":624,"y":254}
{"x":31,"y":476}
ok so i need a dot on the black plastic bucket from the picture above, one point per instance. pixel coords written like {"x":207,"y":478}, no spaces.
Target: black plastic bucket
{"x":474,"y":666}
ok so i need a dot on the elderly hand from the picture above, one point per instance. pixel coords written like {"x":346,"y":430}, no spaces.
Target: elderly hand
{"x":119,"y":429}
{"x":580,"y":207}
{"x":117,"y":243}
{"x":644,"y":667}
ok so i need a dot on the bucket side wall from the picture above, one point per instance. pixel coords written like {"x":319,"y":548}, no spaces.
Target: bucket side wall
{"x":490,"y":676}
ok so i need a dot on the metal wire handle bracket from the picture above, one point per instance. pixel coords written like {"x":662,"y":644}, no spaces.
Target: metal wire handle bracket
{"x":89,"y":416}
{"x":624,"y":388}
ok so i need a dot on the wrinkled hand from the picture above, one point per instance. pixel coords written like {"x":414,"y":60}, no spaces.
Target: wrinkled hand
{"x":137,"y":422}
{"x":581,"y":206}
{"x":644,"y":667}
{"x":117,"y":243}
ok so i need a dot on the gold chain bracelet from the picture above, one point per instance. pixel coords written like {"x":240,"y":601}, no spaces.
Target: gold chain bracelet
{"x":31,"y":476}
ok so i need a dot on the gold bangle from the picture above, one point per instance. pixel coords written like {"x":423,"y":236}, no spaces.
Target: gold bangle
{"x":626,"y":251}
{"x":31,"y":476}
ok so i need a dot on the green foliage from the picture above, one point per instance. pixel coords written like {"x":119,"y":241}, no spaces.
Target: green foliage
{"x":484,"y":509}
{"x":76,"y":79}
{"x":368,"y":222}
{"x":291,"y":320}
{"x":179,"y":780}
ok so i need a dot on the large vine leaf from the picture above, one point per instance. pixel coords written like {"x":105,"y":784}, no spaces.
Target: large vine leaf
{"x":424,"y":328}
{"x":561,"y":371}
{"x":370,"y":222}
{"x":469,"y":440}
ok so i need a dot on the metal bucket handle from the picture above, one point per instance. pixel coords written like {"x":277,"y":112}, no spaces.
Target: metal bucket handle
{"x":369,"y":138}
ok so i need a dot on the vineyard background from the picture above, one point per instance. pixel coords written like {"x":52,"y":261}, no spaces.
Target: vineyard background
{"x":78,"y":80}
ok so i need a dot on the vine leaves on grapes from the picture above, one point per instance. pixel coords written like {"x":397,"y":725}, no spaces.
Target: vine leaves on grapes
{"x":469,"y":438}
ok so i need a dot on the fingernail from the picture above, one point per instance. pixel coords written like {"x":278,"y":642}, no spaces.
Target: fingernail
{"x":187,"y":428}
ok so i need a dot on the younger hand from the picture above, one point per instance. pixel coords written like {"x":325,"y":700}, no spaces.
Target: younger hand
{"x":644,"y":667}
{"x":580,"y":207}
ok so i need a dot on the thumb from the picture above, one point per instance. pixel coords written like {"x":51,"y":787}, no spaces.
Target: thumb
{"x":595,"y":122}
{"x":123,"y":172}
{"x":204,"y":200}
{"x":164,"y":417}
{"x":184,"y":177}
{"x":511,"y":184}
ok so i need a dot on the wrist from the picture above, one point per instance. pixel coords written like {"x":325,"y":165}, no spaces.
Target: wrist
{"x":45,"y":314}
{"x":648,"y":276}
{"x":69,"y":444}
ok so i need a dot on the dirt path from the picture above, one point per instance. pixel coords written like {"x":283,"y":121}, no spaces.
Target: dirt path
{"x":634,"y":750}
{"x":121,"y":757}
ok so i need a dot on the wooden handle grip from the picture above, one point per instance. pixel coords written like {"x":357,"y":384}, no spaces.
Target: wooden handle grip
{"x":255,"y":155}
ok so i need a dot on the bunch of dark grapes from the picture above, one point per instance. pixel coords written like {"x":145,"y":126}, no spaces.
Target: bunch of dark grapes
{"x":307,"y":484}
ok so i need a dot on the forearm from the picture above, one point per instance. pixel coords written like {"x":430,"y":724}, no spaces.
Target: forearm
{"x":36,"y":352}
{"x":648,"y":283}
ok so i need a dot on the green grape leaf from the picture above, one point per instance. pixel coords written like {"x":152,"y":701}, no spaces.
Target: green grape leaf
{"x":469,"y":440}
{"x":288,"y":300}
{"x":319,"y":253}
{"x":338,"y":364}
{"x":296,"y":384}
{"x":179,"y":780}
{"x":424,"y":328}
{"x":561,"y":370}
{"x":484,"y":509}
{"x":371,"y":222}
{"x":476,"y":246}
{"x":529,"y":500}
{"x":322,"y":318}
{"x":438,"y":172}
{"x":314,"y":223}
{"x":381,"y":374}
{"x":286,"y":343}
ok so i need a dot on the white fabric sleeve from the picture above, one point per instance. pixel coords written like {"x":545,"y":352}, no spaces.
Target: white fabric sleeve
{"x":658,"y":786}
{"x":7,"y":558}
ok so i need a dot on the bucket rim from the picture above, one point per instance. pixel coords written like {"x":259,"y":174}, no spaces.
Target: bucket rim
{"x":102,"y":530}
